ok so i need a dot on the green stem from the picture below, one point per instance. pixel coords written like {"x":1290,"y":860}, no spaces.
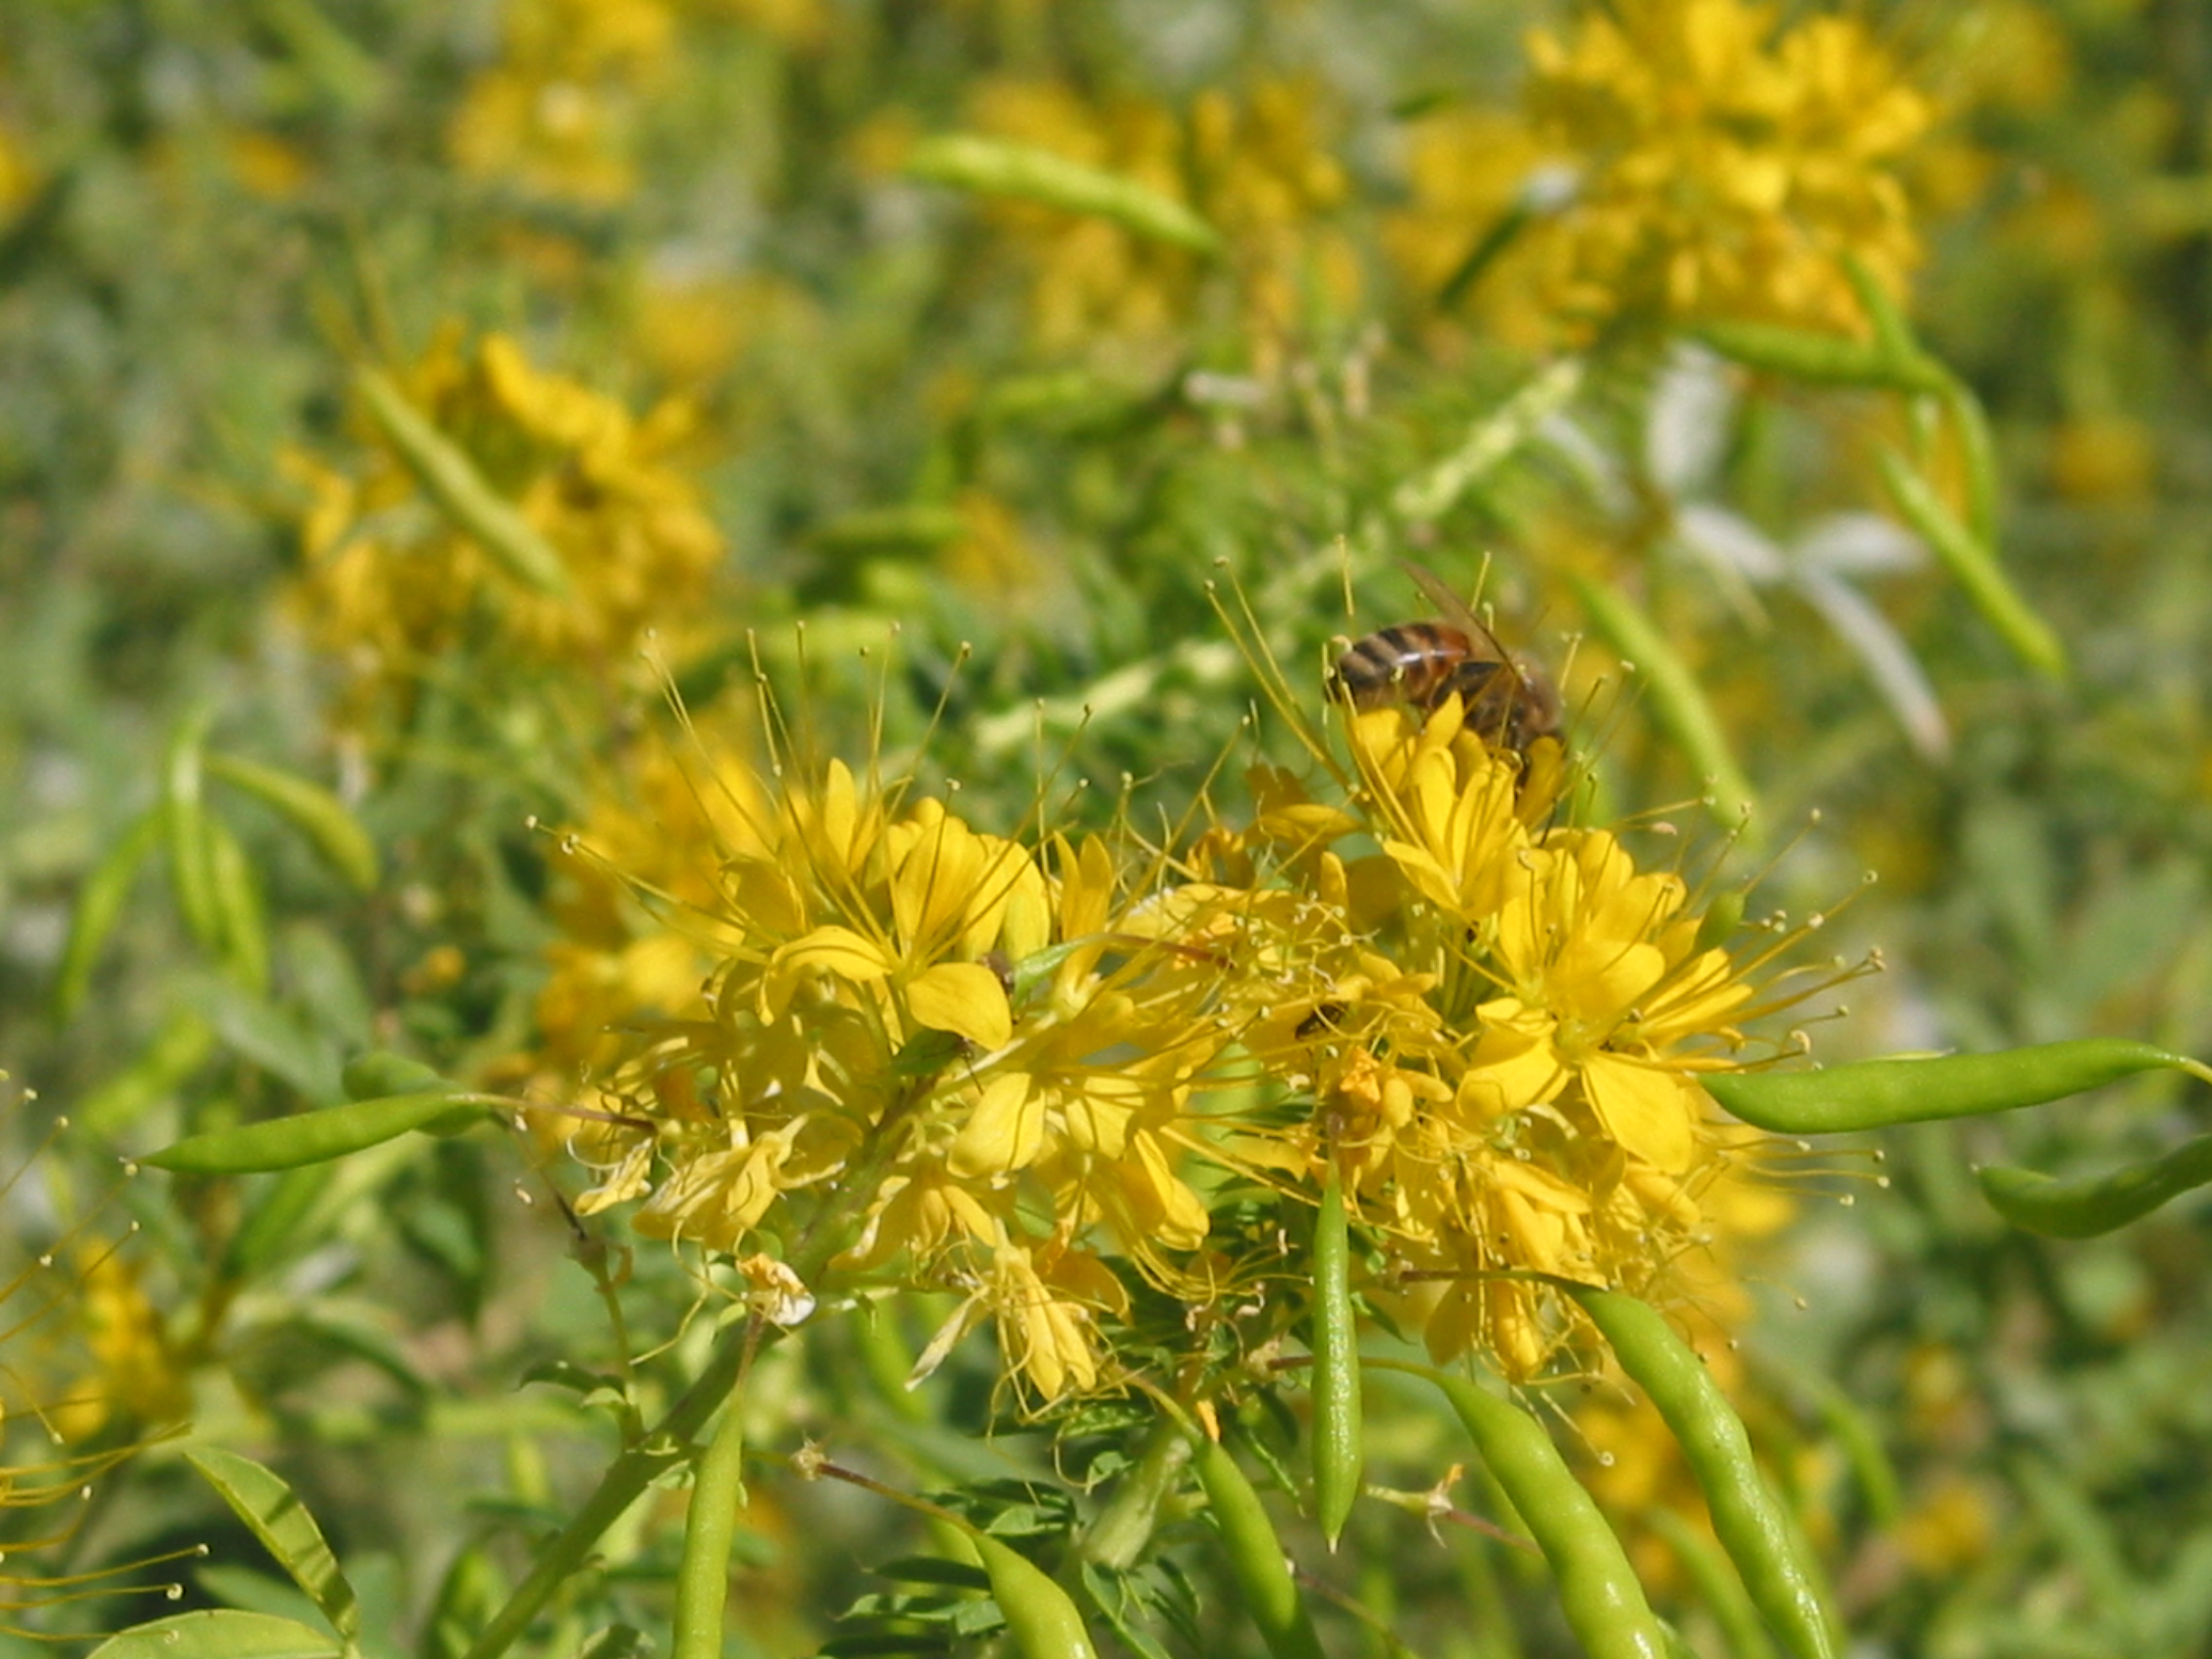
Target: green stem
{"x":702,"y":1580}
{"x":670,"y":1439}
{"x":626,"y":1477}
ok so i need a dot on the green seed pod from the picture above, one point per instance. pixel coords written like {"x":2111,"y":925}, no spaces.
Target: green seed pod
{"x":321,"y":816}
{"x":996,"y":166}
{"x":380,"y":1072}
{"x":316,"y":1137}
{"x":1747,"y":1517}
{"x":2099,"y":1203}
{"x":1041,"y":1617}
{"x":1870,"y":1094}
{"x":710,"y":1528}
{"x":1337,"y":1451}
{"x":1799,"y":353}
{"x":1603,"y":1604}
{"x":450,"y":478}
{"x":1256,"y":1560}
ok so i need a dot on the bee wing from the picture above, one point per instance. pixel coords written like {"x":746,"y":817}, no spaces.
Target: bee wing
{"x":1451,"y":608}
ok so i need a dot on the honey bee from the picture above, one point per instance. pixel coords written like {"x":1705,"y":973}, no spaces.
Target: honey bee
{"x":1509,"y":700}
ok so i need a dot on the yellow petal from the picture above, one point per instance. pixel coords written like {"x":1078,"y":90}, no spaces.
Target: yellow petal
{"x":835,"y":951}
{"x":964,"y":998}
{"x":1649,"y":1111}
{"x":1005,"y":1129}
{"x":1515,"y":1064}
{"x":1173,"y":1214}
{"x":826,"y":950}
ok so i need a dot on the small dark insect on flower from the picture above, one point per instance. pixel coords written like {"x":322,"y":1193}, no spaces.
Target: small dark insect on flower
{"x":1509,"y":700}
{"x":1324,"y":1017}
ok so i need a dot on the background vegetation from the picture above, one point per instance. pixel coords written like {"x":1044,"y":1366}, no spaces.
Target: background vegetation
{"x":759,"y":369}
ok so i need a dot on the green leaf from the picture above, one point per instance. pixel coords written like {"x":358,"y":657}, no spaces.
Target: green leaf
{"x":269,"y":1037}
{"x":617,"y":1642}
{"x":100,"y":907}
{"x":321,"y":816}
{"x":1675,"y":699}
{"x":176,"y":1052}
{"x":934,"y":1570}
{"x":220,"y":1635}
{"x":275,"y":1514}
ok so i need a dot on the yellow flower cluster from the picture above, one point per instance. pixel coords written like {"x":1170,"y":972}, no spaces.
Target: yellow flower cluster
{"x":559,"y":113}
{"x":1255,"y":167}
{"x":624,"y":950}
{"x":975,"y":1055}
{"x":396,"y":590}
{"x":1714,"y":165}
{"x":1503,"y":1042}
{"x":1009,"y":1067}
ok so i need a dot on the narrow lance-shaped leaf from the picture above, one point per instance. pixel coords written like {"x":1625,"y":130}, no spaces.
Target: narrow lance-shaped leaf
{"x":100,"y":907}
{"x":274,"y":1515}
{"x":321,"y":816}
{"x":1677,"y":701}
{"x":239,"y":912}
{"x":184,"y":824}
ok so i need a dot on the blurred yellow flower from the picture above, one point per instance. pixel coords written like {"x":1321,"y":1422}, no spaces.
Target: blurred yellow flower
{"x":1255,"y":166}
{"x":1727,"y":166}
{"x":1467,"y":171}
{"x":87,"y":1377}
{"x":557,"y":113}
{"x":17,"y":177}
{"x":396,"y":590}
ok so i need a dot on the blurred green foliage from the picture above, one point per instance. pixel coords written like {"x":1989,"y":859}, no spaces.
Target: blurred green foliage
{"x":211,"y":217}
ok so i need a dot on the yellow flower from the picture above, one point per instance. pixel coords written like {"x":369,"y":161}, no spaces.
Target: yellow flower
{"x":931,"y":1055}
{"x":1255,"y":166}
{"x":395,"y":591}
{"x":1025,"y":1070}
{"x":1467,"y":170}
{"x":1727,"y":166}
{"x":86,"y":1361}
{"x":558,"y":113}
{"x":1502,"y":1036}
{"x":1598,"y":962}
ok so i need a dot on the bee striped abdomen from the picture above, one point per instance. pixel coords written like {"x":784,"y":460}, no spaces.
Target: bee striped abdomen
{"x":1409,"y":662}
